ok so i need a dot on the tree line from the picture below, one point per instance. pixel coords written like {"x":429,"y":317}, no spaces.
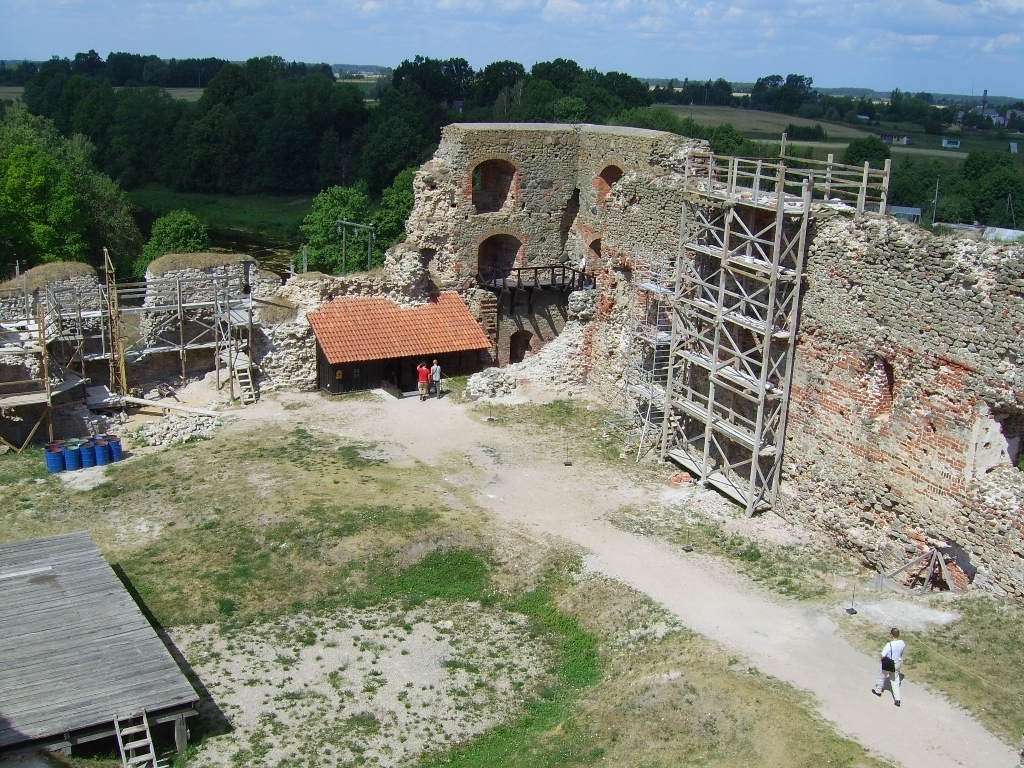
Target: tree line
{"x":94,"y":127}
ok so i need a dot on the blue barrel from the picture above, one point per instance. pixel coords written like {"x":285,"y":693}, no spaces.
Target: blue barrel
{"x":54,"y":459}
{"x":115,"y":447}
{"x":102,"y":449}
{"x":72,"y":456}
{"x":88,"y":452}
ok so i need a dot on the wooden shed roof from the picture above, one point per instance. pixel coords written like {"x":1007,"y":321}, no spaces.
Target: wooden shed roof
{"x":75,"y":649}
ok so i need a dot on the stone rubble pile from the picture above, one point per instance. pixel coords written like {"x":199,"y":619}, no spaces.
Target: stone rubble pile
{"x":176,"y":429}
{"x":560,"y":366}
{"x":491,"y":382}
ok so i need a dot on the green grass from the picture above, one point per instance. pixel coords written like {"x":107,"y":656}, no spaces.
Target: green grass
{"x":978,"y":660}
{"x":527,"y":742}
{"x":785,"y":570}
{"x":267,"y":215}
{"x":756,"y":124}
{"x":580,"y":428}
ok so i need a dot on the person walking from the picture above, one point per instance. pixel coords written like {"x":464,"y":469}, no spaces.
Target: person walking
{"x":435,"y":378}
{"x":422,"y":379}
{"x":892,"y":663}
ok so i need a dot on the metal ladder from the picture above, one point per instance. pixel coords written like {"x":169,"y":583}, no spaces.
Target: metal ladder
{"x":135,"y":741}
{"x":246,"y":386}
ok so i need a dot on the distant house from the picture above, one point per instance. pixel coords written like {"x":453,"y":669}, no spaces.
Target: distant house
{"x":909,"y":213}
{"x":950,"y":142}
{"x":890,"y":138}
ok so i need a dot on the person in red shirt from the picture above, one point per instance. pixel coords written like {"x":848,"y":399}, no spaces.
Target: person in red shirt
{"x":422,"y":379}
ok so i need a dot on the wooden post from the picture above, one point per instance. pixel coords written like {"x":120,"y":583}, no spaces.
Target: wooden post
{"x":886,"y":174}
{"x":180,"y":734}
{"x":863,"y":187}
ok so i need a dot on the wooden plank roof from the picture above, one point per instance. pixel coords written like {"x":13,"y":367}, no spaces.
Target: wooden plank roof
{"x":352,"y":329}
{"x":75,"y":649}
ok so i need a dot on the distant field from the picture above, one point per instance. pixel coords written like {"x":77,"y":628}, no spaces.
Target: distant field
{"x":185,"y":94}
{"x":761,"y":125}
{"x":266,"y":215}
{"x":13,"y":93}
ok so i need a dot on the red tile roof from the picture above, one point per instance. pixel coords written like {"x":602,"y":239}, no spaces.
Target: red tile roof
{"x":355,"y":329}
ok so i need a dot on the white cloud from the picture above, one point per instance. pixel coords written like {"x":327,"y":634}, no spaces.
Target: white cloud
{"x":1005,"y":42}
{"x":553,"y":8}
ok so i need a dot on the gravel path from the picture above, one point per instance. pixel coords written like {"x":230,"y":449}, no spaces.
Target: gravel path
{"x":797,"y":643}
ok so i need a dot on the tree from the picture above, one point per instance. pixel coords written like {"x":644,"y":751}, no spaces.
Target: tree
{"x":868,"y":149}
{"x":561,"y":73}
{"x":175,"y":232}
{"x":494,"y":78}
{"x":395,"y":206}
{"x":54,"y":205}
{"x":40,"y":219}
{"x":329,"y":250}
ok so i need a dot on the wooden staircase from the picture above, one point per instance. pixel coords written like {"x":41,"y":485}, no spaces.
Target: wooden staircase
{"x":489,"y":308}
{"x":246,"y":386}
{"x":135,"y":741}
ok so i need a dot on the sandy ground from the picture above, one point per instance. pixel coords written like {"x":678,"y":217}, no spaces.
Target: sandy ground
{"x":536,"y":493}
{"x":794,"y":642}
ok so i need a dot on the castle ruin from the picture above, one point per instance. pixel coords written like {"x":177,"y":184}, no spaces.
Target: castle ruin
{"x":762,"y":324}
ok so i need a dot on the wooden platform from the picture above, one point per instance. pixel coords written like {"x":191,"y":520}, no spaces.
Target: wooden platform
{"x":75,"y":649}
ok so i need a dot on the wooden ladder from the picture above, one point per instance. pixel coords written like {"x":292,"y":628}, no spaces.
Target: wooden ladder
{"x":135,"y":741}
{"x":246,"y":386}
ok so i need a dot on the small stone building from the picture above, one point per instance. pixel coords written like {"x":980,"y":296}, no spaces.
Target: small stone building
{"x":363,"y":343}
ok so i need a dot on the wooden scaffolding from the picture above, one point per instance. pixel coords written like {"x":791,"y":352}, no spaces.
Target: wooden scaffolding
{"x":58,"y":331}
{"x":714,"y":385}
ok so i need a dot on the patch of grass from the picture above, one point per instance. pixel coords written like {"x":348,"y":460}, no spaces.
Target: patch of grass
{"x":17,"y":468}
{"x":272,"y":216}
{"x":574,"y":426}
{"x":529,"y":741}
{"x":41,"y":275}
{"x":455,"y":575}
{"x":174,"y":261}
{"x":786,"y":570}
{"x":978,"y":660}
{"x":758,"y":124}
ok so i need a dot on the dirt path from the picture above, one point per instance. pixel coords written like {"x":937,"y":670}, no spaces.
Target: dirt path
{"x":794,"y":642}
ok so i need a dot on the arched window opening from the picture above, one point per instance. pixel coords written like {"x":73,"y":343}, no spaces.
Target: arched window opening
{"x":492,"y":183}
{"x":496,"y":257}
{"x":605,"y":180}
{"x":518,"y":346}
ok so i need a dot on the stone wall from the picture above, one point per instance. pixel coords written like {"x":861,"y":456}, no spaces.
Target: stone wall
{"x":531,"y":318}
{"x":908,"y":395}
{"x":573,"y":192}
{"x":556,"y":197}
{"x":908,"y":400}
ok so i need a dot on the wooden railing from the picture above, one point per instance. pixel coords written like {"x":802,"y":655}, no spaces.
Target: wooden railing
{"x":757,"y":181}
{"x":548,"y":276}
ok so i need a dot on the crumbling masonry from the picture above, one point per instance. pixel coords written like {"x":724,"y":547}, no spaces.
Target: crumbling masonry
{"x":763,"y":325}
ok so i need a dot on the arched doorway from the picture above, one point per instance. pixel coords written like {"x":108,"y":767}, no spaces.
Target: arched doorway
{"x":497,"y":256}
{"x":492,"y":182}
{"x":519,"y":345}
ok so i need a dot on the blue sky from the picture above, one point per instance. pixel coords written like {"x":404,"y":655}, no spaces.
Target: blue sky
{"x":940,"y":46}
